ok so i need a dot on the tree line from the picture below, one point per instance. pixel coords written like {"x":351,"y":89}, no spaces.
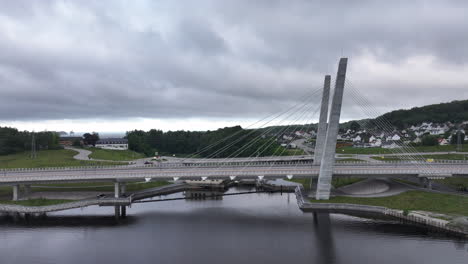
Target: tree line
{"x":13,"y":141}
{"x":240,"y":142}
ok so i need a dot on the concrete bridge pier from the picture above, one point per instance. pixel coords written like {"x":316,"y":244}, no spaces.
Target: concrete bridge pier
{"x":117,"y":192}
{"x":123,"y":211}
{"x":117,"y":212}
{"x":426,"y":182}
{"x":15,"y":192}
{"x":27,"y":190}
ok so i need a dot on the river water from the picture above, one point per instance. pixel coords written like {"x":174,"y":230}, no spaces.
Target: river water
{"x":253,"y":228}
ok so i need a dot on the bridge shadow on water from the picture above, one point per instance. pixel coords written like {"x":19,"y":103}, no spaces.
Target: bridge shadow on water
{"x":65,"y":221}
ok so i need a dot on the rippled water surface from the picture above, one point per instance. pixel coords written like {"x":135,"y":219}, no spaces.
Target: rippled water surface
{"x":254,"y":228}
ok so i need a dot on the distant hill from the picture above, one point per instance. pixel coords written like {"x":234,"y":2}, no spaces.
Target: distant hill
{"x":455,"y":112}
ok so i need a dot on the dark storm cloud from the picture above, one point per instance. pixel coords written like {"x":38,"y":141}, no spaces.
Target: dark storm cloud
{"x":109,"y":59}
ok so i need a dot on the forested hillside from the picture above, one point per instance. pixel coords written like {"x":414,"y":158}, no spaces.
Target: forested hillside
{"x":455,"y":112}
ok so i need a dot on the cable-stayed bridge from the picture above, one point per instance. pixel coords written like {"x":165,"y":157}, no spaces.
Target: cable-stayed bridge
{"x":322,"y":165}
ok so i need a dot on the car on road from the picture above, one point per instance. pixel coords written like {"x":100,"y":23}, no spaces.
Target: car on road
{"x":148,"y":162}
{"x":101,"y":195}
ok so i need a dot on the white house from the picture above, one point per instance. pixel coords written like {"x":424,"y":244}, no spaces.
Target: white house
{"x":395,"y":137}
{"x":357,"y":139}
{"x":393,"y":145}
{"x":112,"y":143}
{"x":376,"y":143}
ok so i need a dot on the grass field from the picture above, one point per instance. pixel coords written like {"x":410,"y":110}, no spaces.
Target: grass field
{"x":48,"y":158}
{"x":412,"y":200}
{"x":115,"y":155}
{"x":445,"y":148}
{"x":291,"y":152}
{"x":423,"y":157}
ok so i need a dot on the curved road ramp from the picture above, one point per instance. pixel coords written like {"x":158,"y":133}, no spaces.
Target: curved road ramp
{"x":13,"y":208}
{"x":123,"y":201}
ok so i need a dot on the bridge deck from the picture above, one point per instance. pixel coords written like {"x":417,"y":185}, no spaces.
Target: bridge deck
{"x":223,"y":172}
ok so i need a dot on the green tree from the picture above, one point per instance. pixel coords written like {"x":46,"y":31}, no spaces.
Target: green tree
{"x":91,"y":139}
{"x":429,"y":140}
{"x":354,"y":126}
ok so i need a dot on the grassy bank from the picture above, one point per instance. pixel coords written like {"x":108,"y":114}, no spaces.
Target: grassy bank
{"x":336,"y":182}
{"x":96,"y":186}
{"x":412,"y":200}
{"x":457,"y":182}
{"x":36,"y":202}
{"x":348,"y":160}
{"x":48,"y":158}
{"x":115,"y":155}
{"x":6,"y":191}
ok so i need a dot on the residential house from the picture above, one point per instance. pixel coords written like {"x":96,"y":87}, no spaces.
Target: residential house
{"x":112,"y":143}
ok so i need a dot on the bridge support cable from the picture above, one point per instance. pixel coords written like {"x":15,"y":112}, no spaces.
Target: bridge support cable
{"x":323,"y":122}
{"x":272,"y":117}
{"x":293,"y":109}
{"x":285,"y":131}
{"x":264,"y":133}
{"x":304,"y":129}
{"x":267,"y":144}
{"x":388,"y":129}
{"x":328,"y":157}
{"x":322,"y":126}
{"x":384,"y":124}
{"x":258,"y":137}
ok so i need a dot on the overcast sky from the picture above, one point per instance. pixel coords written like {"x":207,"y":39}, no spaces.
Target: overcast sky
{"x":195,"y":65}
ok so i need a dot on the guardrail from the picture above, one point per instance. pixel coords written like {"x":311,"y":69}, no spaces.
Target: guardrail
{"x":235,"y":164}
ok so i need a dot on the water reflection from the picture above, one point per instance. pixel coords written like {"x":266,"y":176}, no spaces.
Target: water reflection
{"x":255,"y":228}
{"x":324,"y":238}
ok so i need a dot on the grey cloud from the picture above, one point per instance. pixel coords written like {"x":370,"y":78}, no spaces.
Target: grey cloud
{"x":79,"y":59}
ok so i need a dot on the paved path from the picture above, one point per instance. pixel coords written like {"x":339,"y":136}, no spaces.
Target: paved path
{"x":381,"y":187}
{"x":83,"y":154}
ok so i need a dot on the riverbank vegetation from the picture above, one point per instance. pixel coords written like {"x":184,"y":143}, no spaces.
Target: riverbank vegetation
{"x":105,"y":187}
{"x":411,"y":200}
{"x":36,"y":202}
{"x":48,"y":158}
{"x":95,"y":186}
